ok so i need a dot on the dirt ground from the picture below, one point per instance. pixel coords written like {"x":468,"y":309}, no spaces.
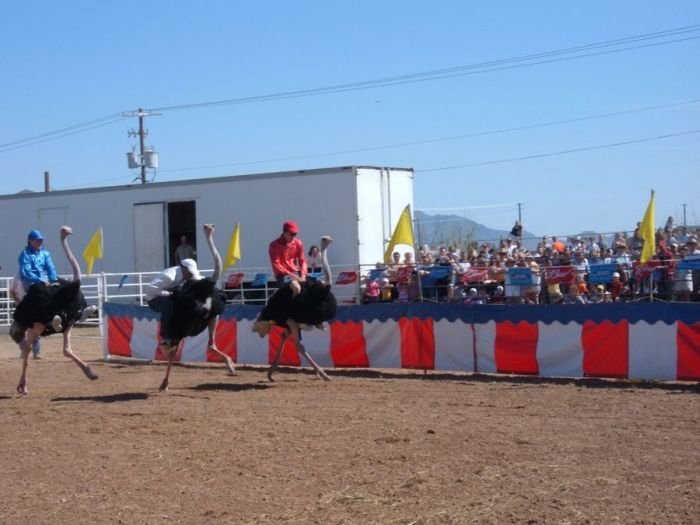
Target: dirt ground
{"x":385,"y":447}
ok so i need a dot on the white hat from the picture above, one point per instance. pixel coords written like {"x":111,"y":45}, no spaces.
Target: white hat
{"x":191,"y":266}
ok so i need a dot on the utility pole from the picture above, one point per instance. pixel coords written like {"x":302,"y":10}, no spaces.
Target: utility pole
{"x":142,"y":138}
{"x":520,"y":216}
{"x":685,"y":224}
{"x":141,"y":133}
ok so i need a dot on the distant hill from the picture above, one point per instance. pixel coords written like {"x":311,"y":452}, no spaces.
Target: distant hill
{"x":438,"y":230}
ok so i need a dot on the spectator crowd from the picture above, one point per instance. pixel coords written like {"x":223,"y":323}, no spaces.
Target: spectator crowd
{"x":579,"y":269}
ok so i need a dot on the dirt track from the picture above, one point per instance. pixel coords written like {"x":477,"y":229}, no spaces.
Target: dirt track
{"x":366,"y":448}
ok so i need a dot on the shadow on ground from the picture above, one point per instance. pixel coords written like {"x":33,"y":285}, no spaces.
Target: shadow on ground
{"x":430,"y":375}
{"x":229,"y":387}
{"x":588,"y":382}
{"x":114,"y":398}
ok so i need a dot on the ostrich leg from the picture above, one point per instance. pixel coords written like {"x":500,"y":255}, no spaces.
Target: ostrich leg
{"x":26,"y":348}
{"x":227,"y":360}
{"x":68,"y":352}
{"x":295,"y":331}
{"x":22,"y":386}
{"x":278,"y":354}
{"x":171,"y":355}
{"x":319,"y":371}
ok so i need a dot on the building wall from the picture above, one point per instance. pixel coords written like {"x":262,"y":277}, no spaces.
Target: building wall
{"x":322,"y":201}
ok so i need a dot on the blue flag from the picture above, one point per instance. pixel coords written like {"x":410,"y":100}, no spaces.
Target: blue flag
{"x":601,"y":273}
{"x":521,"y":276}
{"x":260,"y":279}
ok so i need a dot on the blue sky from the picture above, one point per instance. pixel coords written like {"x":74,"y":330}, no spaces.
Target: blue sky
{"x":72,"y":62}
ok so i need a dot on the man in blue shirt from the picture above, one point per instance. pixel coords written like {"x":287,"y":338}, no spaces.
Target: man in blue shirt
{"x":36,"y":266}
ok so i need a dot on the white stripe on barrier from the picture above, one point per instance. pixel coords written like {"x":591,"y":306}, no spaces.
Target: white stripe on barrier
{"x":144,"y":338}
{"x":454,"y":346}
{"x":486,"y":347}
{"x":318,"y":345}
{"x":559,"y":349}
{"x":252,"y":349}
{"x":195,"y":348}
{"x":652,"y":350}
{"x":383,"y":340}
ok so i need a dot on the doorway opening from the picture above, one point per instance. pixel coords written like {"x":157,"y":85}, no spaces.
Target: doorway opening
{"x":182,"y":220}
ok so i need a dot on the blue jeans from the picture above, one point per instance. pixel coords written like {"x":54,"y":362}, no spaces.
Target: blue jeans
{"x":36,"y":346}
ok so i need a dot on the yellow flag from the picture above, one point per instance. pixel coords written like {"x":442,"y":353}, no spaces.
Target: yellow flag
{"x":648,"y":232}
{"x":93,"y":250}
{"x":403,"y":234}
{"x":233,"y":254}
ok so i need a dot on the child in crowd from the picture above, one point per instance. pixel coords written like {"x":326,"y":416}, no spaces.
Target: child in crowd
{"x":372,"y":291}
{"x":385,"y":289}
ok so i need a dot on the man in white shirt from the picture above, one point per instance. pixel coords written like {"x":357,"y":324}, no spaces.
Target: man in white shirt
{"x":163,"y":284}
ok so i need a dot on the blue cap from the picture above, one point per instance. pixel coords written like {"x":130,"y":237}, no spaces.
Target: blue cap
{"x":35,"y":235}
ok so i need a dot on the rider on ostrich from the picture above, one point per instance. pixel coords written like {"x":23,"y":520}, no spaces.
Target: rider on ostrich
{"x":188,"y":303}
{"x":309,"y":307}
{"x":35,"y":266}
{"x":49,"y":308}
{"x":287,"y":258}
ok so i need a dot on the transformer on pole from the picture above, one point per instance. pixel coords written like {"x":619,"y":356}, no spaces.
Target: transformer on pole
{"x":147,"y":157}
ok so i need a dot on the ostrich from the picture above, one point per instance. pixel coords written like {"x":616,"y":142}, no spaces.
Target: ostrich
{"x":48,"y":309}
{"x":314,"y":305}
{"x":194,"y":305}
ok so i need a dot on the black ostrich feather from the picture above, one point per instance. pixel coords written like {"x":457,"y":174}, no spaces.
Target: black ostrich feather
{"x":43,"y":302}
{"x":314,"y":305}
{"x":188,"y":314}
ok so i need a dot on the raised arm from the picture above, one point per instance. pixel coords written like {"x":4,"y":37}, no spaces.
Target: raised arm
{"x":209,"y":234}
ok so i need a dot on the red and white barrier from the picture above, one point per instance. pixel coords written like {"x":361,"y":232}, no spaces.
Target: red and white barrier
{"x":617,"y":349}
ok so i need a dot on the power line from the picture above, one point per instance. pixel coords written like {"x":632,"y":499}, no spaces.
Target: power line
{"x":63,"y":132}
{"x":470,"y":69}
{"x":441,"y":139}
{"x":562,"y":152}
{"x":556,"y":153}
{"x":439,"y":74}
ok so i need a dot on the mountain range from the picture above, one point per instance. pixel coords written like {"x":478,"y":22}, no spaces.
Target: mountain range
{"x":444,"y":230}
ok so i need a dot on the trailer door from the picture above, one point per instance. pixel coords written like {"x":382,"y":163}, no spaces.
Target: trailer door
{"x":149,"y":237}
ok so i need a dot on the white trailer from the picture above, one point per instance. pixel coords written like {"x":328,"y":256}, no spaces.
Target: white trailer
{"x":142,"y":223}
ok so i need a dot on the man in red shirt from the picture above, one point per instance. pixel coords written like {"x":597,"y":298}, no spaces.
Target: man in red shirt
{"x":287,"y":257}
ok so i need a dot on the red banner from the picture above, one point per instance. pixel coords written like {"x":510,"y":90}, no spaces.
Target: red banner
{"x":473,"y":275}
{"x":644,"y":270}
{"x":560,"y":274}
{"x":234,"y":280}
{"x":403,"y":274}
{"x":346,"y":278}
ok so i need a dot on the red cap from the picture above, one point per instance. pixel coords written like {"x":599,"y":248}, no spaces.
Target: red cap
{"x":291,"y":227}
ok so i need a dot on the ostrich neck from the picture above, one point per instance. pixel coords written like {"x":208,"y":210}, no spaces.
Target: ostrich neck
{"x":326,"y":267}
{"x":217,"y":259}
{"x":71,"y":259}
